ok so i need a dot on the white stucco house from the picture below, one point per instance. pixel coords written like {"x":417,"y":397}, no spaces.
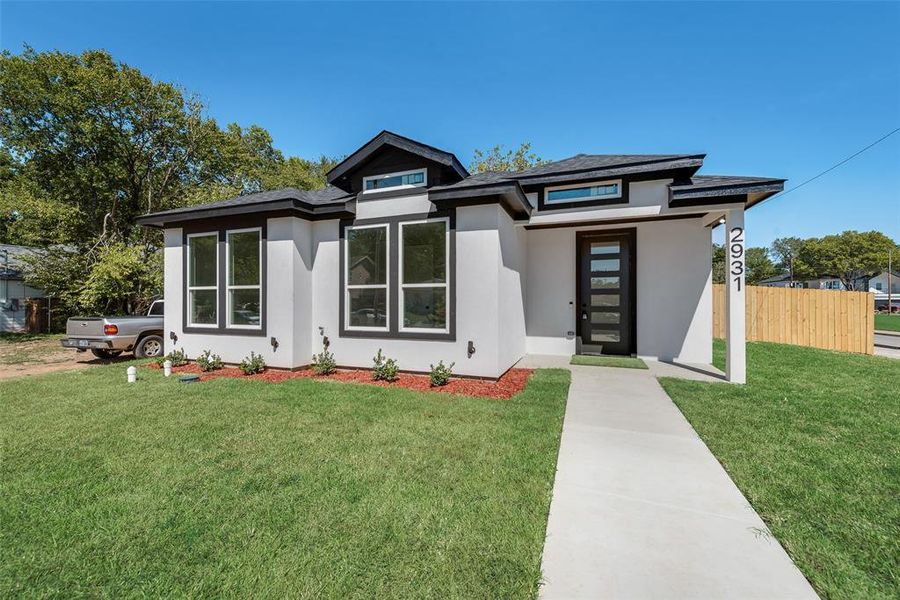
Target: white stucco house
{"x":406,"y":251}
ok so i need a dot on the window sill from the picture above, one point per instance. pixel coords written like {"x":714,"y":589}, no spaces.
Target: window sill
{"x":236,"y":331}
{"x":441,"y":336}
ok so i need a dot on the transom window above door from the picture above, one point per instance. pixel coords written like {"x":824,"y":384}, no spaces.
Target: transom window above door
{"x":395,"y":181}
{"x":583,"y":193}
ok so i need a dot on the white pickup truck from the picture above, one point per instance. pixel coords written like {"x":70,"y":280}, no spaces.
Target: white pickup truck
{"x":108,"y":337}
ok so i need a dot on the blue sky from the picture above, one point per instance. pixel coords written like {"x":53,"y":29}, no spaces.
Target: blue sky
{"x":782,"y":90}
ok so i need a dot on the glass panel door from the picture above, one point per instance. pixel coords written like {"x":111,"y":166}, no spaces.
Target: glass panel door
{"x":606,"y":322}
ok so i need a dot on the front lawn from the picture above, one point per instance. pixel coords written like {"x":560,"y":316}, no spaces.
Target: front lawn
{"x":886,"y":322}
{"x":622,"y":362}
{"x":812,"y":441}
{"x":299,"y":489}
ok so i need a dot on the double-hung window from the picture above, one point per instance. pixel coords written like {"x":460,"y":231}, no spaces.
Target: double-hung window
{"x":203,"y":279}
{"x":395,"y":181}
{"x":424,"y":281}
{"x":366,"y":278}
{"x":243,"y":278}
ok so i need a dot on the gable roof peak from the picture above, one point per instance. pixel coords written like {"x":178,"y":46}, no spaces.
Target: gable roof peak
{"x":338,"y":174}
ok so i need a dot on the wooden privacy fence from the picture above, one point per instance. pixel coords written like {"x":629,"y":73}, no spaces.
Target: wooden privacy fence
{"x":826,"y":319}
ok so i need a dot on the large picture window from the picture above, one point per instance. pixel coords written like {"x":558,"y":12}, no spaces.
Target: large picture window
{"x":203,"y":279}
{"x":424,"y":249}
{"x":366,"y":278}
{"x":244,"y":277}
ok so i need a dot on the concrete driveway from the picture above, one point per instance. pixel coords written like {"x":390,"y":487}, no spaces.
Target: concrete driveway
{"x":642,"y":509}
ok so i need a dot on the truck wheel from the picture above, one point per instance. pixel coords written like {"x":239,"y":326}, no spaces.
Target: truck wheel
{"x":106,"y":354}
{"x":149,"y":347}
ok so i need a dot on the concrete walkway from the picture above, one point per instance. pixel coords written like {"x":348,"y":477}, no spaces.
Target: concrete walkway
{"x":642,"y":509}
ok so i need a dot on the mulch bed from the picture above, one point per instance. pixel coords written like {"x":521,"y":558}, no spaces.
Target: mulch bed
{"x":511,"y":383}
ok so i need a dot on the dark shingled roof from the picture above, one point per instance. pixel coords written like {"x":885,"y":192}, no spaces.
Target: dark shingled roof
{"x":307,"y":201}
{"x":712,"y":181}
{"x":325,"y":196}
{"x":707,"y":189}
{"x":480,"y":179}
{"x":594,"y":162}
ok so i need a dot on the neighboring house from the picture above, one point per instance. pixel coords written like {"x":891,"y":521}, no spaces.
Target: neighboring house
{"x":780,"y":281}
{"x":824,"y":283}
{"x":407,"y":252}
{"x":13,"y":291}
{"x":784,"y":281}
{"x":878,"y":284}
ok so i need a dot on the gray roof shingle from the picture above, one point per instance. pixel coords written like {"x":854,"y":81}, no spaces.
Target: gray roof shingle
{"x":325,"y":196}
{"x":593,"y":162}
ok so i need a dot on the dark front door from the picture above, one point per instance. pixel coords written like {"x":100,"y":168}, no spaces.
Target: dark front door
{"x":606,"y":293}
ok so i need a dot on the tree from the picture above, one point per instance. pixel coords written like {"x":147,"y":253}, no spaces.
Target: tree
{"x":787,"y":255}
{"x":87,"y":144}
{"x":718,"y":263}
{"x":757,"y":263}
{"x":847,"y":256}
{"x":496,"y":159}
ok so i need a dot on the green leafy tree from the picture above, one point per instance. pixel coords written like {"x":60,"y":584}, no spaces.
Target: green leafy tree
{"x":123,"y":279}
{"x":87,"y":144}
{"x":847,"y":256}
{"x":786,"y":252}
{"x":500,"y":159}
{"x":759,"y":265}
{"x":718,"y":263}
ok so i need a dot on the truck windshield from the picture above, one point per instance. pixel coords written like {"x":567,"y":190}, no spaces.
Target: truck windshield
{"x":156,"y":309}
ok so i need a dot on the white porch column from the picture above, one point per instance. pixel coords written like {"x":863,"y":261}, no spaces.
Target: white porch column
{"x":735,"y":315}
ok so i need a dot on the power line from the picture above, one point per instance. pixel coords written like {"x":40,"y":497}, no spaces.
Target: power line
{"x":833,"y":167}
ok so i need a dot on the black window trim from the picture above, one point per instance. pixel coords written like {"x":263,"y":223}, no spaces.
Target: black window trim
{"x":394,"y":331}
{"x":220,"y":227}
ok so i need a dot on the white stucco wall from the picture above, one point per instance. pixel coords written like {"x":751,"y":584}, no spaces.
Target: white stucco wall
{"x":288,"y":300}
{"x":478,"y":283}
{"x":673,"y":285}
{"x":674,"y":291}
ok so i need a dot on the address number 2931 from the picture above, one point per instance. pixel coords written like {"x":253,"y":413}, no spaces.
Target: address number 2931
{"x":736,"y":256}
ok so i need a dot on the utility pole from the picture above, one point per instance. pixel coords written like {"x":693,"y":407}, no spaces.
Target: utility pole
{"x":890,"y":273}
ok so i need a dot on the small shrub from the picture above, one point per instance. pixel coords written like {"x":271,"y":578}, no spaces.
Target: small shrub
{"x":323,"y":363}
{"x":385,"y":369}
{"x":252,"y":364}
{"x":441,"y":373}
{"x":178,"y":358}
{"x":209,"y":361}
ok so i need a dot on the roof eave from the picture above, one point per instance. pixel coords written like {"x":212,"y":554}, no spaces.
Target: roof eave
{"x":747,"y":194}
{"x":289,"y":206}
{"x":510,"y":192}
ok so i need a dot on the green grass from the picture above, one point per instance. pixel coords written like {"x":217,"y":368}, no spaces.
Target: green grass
{"x":812,"y":441}
{"x":887,"y":322}
{"x":624,"y":362}
{"x":15,"y":338}
{"x":249,"y":489}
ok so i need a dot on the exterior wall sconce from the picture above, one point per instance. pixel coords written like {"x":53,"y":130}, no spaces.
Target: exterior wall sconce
{"x":470,"y":350}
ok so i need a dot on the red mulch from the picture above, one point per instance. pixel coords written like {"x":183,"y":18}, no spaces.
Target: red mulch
{"x":511,"y":383}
